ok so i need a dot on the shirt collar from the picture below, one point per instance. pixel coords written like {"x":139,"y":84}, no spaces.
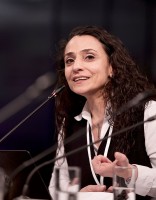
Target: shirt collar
{"x":84,"y":114}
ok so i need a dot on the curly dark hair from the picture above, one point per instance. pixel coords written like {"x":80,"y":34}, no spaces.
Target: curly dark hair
{"x":126,"y":83}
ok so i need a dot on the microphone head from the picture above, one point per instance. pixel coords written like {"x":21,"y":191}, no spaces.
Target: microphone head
{"x":145,"y":96}
{"x":56,"y":91}
{"x":142,"y":97}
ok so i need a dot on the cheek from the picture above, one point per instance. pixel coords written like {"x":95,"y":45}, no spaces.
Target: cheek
{"x":103,"y":76}
{"x":67,"y":74}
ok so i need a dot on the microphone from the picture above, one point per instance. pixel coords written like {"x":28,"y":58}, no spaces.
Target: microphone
{"x":33,"y":91}
{"x":133,"y":102}
{"x":26,"y":186}
{"x":138,"y":99}
{"x":53,"y":94}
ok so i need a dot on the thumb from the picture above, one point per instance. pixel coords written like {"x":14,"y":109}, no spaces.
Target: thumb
{"x":121,"y":159}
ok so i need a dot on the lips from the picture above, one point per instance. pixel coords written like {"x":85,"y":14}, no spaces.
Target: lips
{"x":75,"y":79}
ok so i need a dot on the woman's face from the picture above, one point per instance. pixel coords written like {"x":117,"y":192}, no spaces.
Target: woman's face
{"x":86,"y":65}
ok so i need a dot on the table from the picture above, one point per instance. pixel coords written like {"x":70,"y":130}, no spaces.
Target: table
{"x":95,"y":196}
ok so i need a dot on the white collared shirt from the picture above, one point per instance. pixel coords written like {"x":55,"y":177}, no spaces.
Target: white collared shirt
{"x":146,"y":181}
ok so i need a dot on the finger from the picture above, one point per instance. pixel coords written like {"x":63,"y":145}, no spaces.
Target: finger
{"x":100,"y":188}
{"x":100,"y":159}
{"x":105,"y":160}
{"x":121,"y":159}
{"x":110,"y":189}
{"x":94,"y":188}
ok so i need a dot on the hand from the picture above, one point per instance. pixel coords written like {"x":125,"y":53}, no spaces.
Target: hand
{"x":122,"y":160}
{"x":103,"y":166}
{"x":94,"y":188}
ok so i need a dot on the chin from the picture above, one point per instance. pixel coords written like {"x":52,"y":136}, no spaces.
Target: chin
{"x":79,"y":92}
{"x":80,"y":89}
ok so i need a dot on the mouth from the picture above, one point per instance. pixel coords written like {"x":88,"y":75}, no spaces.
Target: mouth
{"x":76,"y":79}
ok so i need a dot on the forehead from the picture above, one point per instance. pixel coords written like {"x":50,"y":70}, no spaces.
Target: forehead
{"x":79,"y":43}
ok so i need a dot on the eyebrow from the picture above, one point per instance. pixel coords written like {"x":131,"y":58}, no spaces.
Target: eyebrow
{"x":84,"y":50}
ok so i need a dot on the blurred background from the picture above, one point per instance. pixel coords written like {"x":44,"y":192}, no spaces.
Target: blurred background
{"x":29,"y":33}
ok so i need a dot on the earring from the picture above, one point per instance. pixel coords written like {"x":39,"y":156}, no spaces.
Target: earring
{"x":110,"y":76}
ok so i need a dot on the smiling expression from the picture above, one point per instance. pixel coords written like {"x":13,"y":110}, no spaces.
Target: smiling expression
{"x":87,"y":65}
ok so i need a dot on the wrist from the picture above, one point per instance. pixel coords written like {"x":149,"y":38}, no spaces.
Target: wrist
{"x":128,"y":175}
{"x":131,"y":175}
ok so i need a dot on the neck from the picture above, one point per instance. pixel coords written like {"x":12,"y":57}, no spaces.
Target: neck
{"x":97,"y":110}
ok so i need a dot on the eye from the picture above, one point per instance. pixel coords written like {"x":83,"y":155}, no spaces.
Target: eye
{"x":89,"y":57}
{"x":69,"y":61}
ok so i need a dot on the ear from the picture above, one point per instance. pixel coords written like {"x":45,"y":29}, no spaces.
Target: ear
{"x":110,"y":71}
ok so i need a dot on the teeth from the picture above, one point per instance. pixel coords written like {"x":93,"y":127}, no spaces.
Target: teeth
{"x":80,"y":78}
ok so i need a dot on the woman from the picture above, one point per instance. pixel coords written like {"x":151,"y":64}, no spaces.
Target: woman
{"x":99,"y":77}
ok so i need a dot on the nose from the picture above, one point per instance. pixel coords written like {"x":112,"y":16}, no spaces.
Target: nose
{"x":77,"y":65}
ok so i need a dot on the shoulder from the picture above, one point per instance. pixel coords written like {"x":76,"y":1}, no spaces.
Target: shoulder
{"x":150,"y":109}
